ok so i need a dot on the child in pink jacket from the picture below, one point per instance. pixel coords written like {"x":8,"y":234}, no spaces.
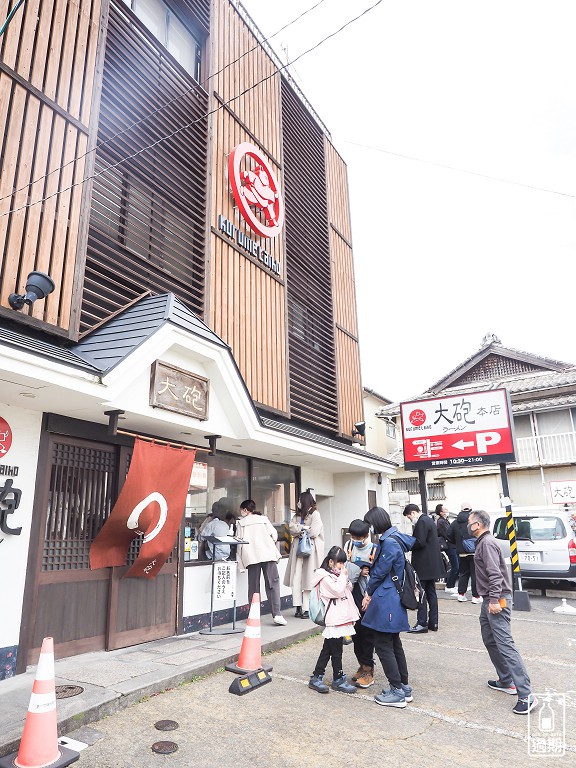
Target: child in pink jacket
{"x":331,"y":580}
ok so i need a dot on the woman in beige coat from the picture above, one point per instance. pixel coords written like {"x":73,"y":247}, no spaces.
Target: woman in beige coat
{"x":300,"y":570}
{"x":260,"y":554}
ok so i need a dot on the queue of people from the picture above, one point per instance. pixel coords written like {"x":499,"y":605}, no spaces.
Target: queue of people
{"x":376,"y":623}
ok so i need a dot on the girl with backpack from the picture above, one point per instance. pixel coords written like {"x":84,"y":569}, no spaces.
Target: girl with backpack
{"x":334,"y":588}
{"x":384,"y":613}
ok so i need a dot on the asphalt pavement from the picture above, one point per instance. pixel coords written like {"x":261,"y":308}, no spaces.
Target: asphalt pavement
{"x":454,"y":718}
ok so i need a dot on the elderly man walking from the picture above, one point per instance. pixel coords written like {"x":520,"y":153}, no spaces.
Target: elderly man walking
{"x":493,"y":583}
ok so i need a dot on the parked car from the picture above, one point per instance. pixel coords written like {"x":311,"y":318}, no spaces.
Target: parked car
{"x":546,"y":544}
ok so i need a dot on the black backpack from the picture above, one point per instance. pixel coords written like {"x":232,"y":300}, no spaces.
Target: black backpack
{"x":410,"y":591}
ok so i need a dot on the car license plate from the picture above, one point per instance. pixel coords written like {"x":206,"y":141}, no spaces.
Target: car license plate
{"x":530,"y":557}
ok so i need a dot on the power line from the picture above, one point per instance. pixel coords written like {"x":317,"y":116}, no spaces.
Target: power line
{"x":194,"y":122}
{"x":459,"y":170}
{"x":163,"y":106}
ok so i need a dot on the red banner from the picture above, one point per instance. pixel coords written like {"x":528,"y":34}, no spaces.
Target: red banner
{"x":151,"y":503}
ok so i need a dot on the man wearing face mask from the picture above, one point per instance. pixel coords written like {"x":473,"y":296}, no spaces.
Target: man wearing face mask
{"x":493,"y":582}
{"x":427,"y":562}
{"x":360,"y":552}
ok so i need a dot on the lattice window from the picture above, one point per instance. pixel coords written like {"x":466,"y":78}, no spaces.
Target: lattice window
{"x":80,"y":499}
{"x":409,"y":484}
{"x":494,"y":367}
{"x":436,"y":492}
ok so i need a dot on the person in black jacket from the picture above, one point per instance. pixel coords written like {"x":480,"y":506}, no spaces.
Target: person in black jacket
{"x":456,"y":535}
{"x":427,"y":562}
{"x":443,"y":526}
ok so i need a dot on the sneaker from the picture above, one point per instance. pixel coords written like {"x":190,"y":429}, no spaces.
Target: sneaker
{"x":393,"y":698}
{"x":366,"y":679}
{"x":462,"y":599}
{"x":359,"y":672}
{"x":523,"y":706}
{"x":407,"y":692}
{"x":342,"y":685}
{"x":305,"y":615}
{"x":477,"y":600}
{"x":280,"y":620}
{"x":451,"y":590}
{"x":347,"y":640}
{"x":496,"y":685}
{"x":317,"y":683}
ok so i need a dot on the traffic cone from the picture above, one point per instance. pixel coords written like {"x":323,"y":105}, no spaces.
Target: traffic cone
{"x":39,"y":744}
{"x":250,"y":658}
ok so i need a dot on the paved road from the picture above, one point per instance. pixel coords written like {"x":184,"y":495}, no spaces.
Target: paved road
{"x":455,"y":718}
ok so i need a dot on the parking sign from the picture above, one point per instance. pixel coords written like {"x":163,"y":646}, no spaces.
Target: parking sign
{"x":464,"y":430}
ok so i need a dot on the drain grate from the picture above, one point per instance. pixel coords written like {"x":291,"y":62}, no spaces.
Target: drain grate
{"x":164,"y":747}
{"x":66,"y":691}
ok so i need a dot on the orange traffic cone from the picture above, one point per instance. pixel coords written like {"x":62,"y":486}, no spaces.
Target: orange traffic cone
{"x":39,"y":745}
{"x":250,"y":658}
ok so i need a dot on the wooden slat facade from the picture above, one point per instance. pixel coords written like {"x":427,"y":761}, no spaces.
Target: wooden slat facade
{"x":247,"y":302}
{"x":311,"y":343}
{"x":344,"y":293}
{"x":47,"y":75}
{"x":148,"y":217}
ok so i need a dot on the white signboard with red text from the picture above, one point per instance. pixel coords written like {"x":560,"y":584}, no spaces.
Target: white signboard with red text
{"x":464,"y":430}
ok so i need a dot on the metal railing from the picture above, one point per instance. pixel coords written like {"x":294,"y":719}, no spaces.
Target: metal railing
{"x":546,"y":449}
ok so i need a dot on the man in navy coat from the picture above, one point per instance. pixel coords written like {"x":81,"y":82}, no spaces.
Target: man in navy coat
{"x":427,"y":562}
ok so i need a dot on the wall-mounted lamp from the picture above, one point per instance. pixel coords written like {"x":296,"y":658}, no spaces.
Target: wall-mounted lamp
{"x":359,"y":429}
{"x":38,"y":286}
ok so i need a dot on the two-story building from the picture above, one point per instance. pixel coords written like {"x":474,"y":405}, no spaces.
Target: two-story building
{"x":192,"y":212}
{"x":543,"y":399}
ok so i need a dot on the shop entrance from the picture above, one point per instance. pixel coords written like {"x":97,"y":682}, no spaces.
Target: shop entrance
{"x":86,"y":610}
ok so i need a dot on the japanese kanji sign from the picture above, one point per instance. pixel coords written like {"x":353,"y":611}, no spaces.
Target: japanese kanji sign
{"x":151,"y":503}
{"x":181,"y":391}
{"x":563,"y":491}
{"x":224,"y":581}
{"x":462,"y":430}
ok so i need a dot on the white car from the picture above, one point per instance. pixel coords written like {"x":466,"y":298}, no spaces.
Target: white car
{"x":546,"y":544}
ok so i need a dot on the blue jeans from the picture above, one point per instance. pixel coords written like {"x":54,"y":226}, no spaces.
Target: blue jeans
{"x":454,"y":567}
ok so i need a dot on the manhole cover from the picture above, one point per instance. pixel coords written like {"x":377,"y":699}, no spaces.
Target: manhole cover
{"x":164,"y":747}
{"x":66,"y":691}
{"x":166,"y":725}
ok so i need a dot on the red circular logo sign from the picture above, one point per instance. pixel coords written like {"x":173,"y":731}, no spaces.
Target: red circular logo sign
{"x":5,"y":437}
{"x":256,"y":190}
{"x":417,"y":417}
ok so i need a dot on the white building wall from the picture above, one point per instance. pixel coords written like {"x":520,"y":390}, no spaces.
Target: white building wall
{"x":23,"y":453}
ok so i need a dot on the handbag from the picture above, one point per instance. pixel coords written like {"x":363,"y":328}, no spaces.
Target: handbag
{"x":410,"y":590}
{"x":304,"y":548}
{"x":469,"y":545}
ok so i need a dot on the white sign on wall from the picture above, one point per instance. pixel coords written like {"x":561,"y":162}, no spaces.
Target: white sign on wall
{"x":224,"y":581}
{"x":563,"y":491}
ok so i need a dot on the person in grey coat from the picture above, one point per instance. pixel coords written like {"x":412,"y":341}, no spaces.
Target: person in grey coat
{"x":493,"y":582}
{"x":427,"y":562}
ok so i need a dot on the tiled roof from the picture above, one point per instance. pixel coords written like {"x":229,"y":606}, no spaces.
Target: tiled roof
{"x":110,"y":343}
{"x":538,"y":381}
{"x":291,"y":429}
{"x":36,"y":345}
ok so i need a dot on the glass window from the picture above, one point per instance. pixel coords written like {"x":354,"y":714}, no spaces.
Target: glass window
{"x":183,"y":47}
{"x":219,"y":485}
{"x":170,"y":31}
{"x":152,"y":13}
{"x":274,"y":491}
{"x":390,"y":429}
{"x":523,"y":426}
{"x":554,"y":422}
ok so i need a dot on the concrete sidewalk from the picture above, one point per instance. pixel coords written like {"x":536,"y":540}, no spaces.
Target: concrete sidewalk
{"x":113,"y":680}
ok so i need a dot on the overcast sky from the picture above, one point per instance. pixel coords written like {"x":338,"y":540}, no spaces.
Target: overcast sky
{"x":443,"y":256}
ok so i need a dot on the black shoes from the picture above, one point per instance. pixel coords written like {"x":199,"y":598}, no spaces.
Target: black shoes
{"x":298,"y":613}
{"x":433,"y":627}
{"x":305,"y":615}
{"x":418,"y":630}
